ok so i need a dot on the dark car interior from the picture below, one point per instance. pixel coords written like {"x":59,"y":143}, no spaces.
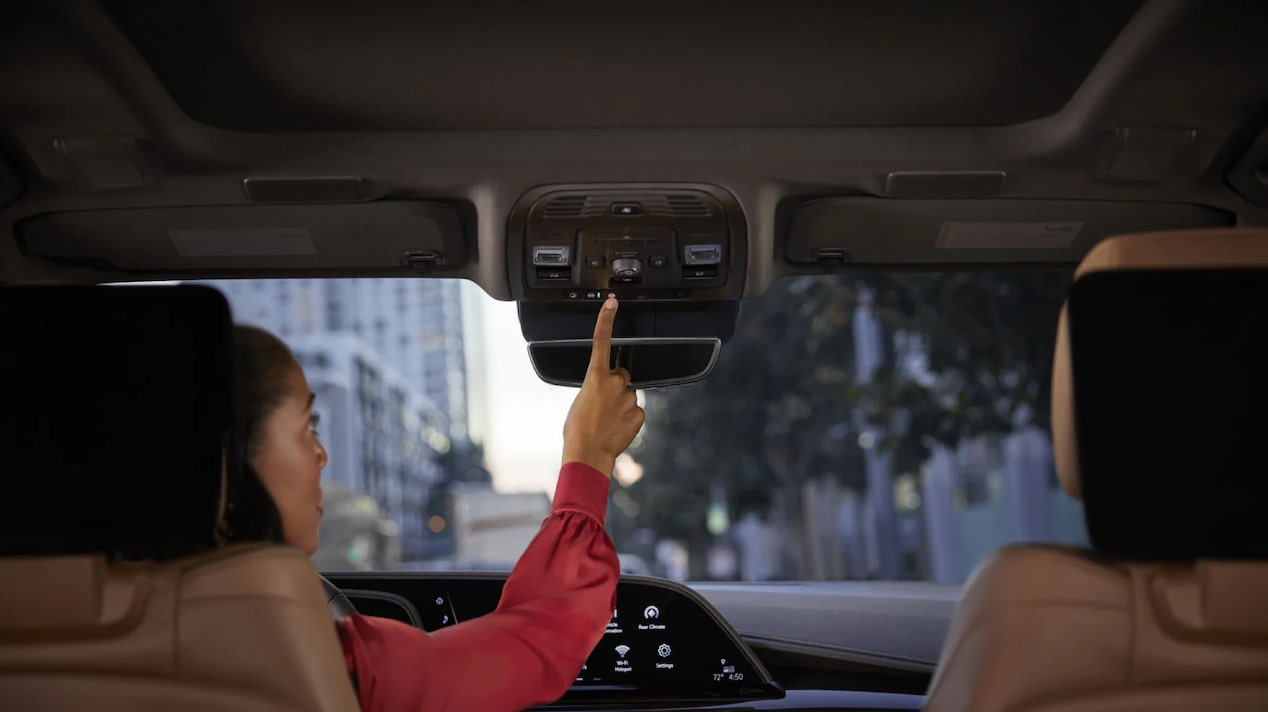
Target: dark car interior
{"x":685,"y":156}
{"x":115,"y":592}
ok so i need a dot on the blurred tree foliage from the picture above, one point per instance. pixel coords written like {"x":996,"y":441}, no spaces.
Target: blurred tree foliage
{"x":965,"y":353}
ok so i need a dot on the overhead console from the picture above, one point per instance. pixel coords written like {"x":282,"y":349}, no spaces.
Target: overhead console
{"x":675,"y":255}
{"x":664,"y":642}
{"x":662,"y":243}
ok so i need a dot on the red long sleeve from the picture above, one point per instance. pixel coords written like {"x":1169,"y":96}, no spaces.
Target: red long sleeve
{"x":553,"y":611}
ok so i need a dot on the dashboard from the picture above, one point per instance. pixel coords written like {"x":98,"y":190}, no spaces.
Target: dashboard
{"x":792,"y":647}
{"x":664,"y":642}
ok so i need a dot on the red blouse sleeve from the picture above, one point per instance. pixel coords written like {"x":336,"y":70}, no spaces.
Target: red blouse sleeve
{"x":554,"y":609}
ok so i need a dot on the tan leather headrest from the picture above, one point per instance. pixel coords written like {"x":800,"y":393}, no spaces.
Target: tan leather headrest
{"x":1210,"y":249}
{"x":42,"y":592}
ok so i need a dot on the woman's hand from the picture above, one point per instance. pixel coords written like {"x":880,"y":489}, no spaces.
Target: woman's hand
{"x":605,"y":416}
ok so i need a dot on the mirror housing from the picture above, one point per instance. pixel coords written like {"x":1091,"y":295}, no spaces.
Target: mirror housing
{"x":652,"y":363}
{"x":661,"y":345}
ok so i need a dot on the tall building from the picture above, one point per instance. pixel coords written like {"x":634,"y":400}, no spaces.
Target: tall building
{"x":473,"y":300}
{"x":438,"y":311}
{"x":416,"y":326}
{"x":387,"y":360}
{"x":383,"y":438}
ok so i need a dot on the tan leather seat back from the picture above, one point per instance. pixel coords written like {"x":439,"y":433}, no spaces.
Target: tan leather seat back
{"x":114,"y":591}
{"x":1052,"y":628}
{"x":1171,"y":611}
{"x":243,"y":628}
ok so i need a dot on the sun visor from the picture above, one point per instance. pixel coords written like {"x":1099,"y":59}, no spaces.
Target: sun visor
{"x":863,"y":230}
{"x":409,"y":237}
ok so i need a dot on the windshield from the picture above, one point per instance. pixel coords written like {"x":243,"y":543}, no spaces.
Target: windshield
{"x":883,"y":426}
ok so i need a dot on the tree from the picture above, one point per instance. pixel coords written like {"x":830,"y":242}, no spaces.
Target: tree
{"x":966,"y":353}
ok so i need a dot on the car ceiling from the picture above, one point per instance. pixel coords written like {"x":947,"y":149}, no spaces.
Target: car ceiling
{"x":129,"y":104}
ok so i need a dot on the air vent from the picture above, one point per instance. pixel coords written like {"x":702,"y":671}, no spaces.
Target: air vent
{"x":569,"y":207}
{"x":575,"y":206}
{"x":685,"y":206}
{"x":581,"y":206}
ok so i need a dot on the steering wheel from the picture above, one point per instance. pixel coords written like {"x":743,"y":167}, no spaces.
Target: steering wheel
{"x":340,"y":606}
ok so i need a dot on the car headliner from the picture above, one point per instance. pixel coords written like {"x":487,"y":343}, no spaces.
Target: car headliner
{"x":155,"y":104}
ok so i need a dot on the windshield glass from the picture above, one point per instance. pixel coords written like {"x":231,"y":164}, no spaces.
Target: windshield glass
{"x":882,"y":426}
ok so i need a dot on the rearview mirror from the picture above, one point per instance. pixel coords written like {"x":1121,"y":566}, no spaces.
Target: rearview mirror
{"x":652,"y":362}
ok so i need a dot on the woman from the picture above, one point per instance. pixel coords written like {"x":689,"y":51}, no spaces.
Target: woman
{"x":555,"y":604}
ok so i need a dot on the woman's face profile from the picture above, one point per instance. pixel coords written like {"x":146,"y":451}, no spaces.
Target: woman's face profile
{"x":289,"y":459}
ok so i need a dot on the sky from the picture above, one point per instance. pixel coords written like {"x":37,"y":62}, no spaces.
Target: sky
{"x":524,"y":415}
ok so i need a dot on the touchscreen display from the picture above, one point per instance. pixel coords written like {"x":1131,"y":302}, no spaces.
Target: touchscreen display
{"x":655,"y":640}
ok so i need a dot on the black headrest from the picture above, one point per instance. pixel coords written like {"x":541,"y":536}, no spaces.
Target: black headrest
{"x":1171,"y":410}
{"x":116,"y":404}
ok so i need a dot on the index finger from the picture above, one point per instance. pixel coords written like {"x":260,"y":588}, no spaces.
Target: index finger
{"x":601,"y":353}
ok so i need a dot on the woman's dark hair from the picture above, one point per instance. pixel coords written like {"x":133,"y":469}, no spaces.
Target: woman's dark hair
{"x":260,"y":360}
